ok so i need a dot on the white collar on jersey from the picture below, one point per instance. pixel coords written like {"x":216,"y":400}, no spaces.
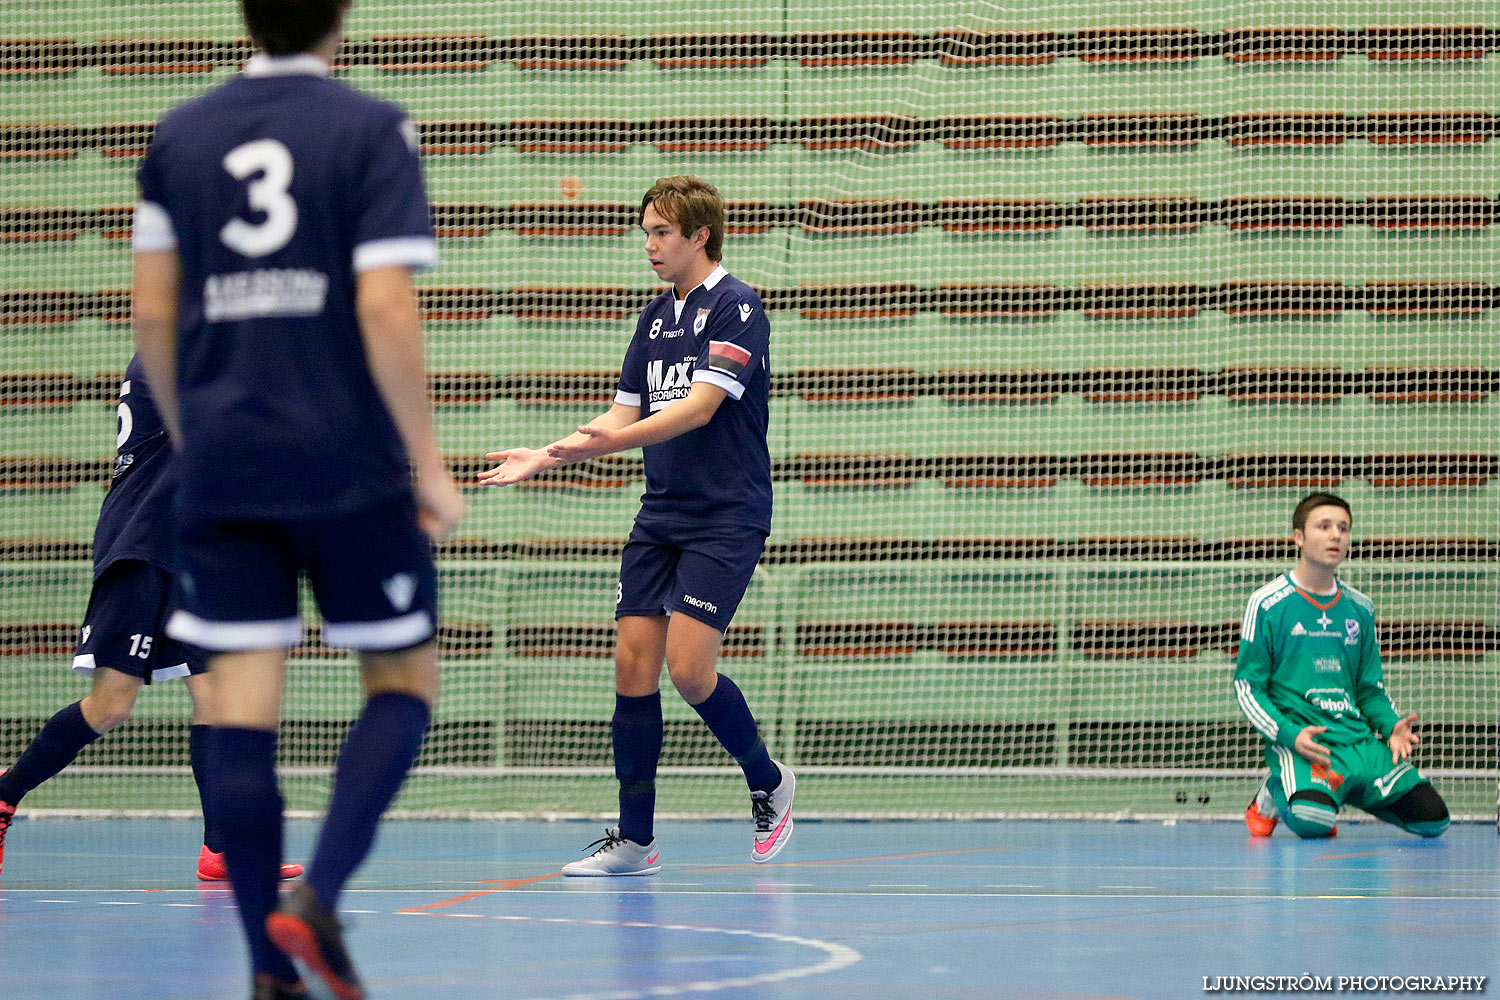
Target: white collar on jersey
{"x":717,"y":275}
{"x":302,"y":64}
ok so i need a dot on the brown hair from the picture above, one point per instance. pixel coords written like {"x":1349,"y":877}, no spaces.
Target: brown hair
{"x":1315,"y":500}
{"x":290,"y":27}
{"x":692,"y":204}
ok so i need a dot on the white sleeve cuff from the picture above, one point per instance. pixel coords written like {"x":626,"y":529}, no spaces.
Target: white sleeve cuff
{"x":734,"y":387}
{"x":152,"y":228}
{"x":627,"y":398}
{"x":416,"y":252}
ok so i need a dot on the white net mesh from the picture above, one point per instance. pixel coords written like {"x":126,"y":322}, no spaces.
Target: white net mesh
{"x":1070,"y":303}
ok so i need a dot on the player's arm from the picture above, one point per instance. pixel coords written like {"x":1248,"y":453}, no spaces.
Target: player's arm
{"x":390,"y":324}
{"x":1374,"y":701}
{"x":1252,"y":688}
{"x":737,"y":339}
{"x":687,"y":414}
{"x":518,"y":464}
{"x":153,"y":319}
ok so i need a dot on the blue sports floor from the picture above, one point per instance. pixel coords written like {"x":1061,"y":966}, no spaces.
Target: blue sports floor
{"x":1026,"y":910}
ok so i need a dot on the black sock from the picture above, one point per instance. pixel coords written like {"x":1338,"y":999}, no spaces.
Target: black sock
{"x":246,"y":808}
{"x":50,"y":751}
{"x":198,"y":755}
{"x":382,"y":746}
{"x":636,"y":731}
{"x":730,"y":720}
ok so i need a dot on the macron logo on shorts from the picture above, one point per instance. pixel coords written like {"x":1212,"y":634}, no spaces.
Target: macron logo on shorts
{"x":399,"y":590}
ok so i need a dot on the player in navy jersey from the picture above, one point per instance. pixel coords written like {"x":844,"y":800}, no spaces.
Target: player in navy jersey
{"x":121,"y":645}
{"x":693,"y":394}
{"x":281,"y":217}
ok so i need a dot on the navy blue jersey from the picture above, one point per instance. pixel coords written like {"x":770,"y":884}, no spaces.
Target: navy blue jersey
{"x":721,"y":471}
{"x":276,"y":189}
{"x":134,"y":521}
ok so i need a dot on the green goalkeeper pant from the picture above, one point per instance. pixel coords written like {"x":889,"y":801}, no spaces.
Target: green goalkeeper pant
{"x":1308,"y":796}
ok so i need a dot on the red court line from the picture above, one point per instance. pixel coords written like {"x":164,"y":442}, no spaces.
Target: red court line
{"x":1361,"y":854}
{"x":847,"y":861}
{"x":500,"y":886}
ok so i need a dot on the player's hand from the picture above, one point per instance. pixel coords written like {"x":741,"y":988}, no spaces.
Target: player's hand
{"x":1402,"y":739}
{"x":1308,"y":747}
{"x":597,"y":441}
{"x":515,"y":465}
{"x":439,"y":504}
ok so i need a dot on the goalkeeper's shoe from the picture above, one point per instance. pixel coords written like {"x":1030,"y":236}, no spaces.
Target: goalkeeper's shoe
{"x":1260,"y":814}
{"x":772,"y":813}
{"x":309,"y":932}
{"x":211,"y":867}
{"x":7,"y":813}
{"x":617,"y":856}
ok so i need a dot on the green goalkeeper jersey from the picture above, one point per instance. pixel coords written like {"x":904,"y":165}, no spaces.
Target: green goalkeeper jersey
{"x":1311,"y":660}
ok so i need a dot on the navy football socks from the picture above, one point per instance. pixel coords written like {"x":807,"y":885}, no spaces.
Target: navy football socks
{"x":198,"y":756}
{"x":382,"y":746}
{"x":729,"y":719}
{"x":636,"y":731}
{"x":245,"y":804}
{"x":53,"y":749}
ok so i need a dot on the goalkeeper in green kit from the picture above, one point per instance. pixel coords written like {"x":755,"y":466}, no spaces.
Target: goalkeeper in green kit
{"x":1308,"y":679}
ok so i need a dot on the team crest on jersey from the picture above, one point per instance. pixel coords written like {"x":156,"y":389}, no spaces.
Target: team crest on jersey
{"x":701,"y":321}
{"x":1351,"y":631}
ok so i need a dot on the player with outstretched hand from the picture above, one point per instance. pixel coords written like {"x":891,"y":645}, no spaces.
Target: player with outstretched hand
{"x":281,"y":217}
{"x":1309,"y":680}
{"x":122,"y":644}
{"x":693,"y":393}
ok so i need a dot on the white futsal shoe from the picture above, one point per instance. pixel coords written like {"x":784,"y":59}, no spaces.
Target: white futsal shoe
{"x":617,"y":856}
{"x":772,"y":812}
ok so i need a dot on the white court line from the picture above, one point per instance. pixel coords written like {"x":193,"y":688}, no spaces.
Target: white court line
{"x":838,"y":957}
{"x":1391,"y":895}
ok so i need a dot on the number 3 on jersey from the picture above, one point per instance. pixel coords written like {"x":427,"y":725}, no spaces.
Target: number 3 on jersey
{"x":268,"y":193}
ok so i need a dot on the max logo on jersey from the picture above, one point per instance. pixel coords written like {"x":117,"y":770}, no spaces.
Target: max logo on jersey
{"x":667,"y":383}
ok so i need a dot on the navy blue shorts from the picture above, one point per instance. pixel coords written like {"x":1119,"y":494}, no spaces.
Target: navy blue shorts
{"x":701,"y":572}
{"x":123,"y":627}
{"x":371,"y":571}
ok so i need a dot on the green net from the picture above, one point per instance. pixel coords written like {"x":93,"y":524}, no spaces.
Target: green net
{"x":1069,"y":303}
